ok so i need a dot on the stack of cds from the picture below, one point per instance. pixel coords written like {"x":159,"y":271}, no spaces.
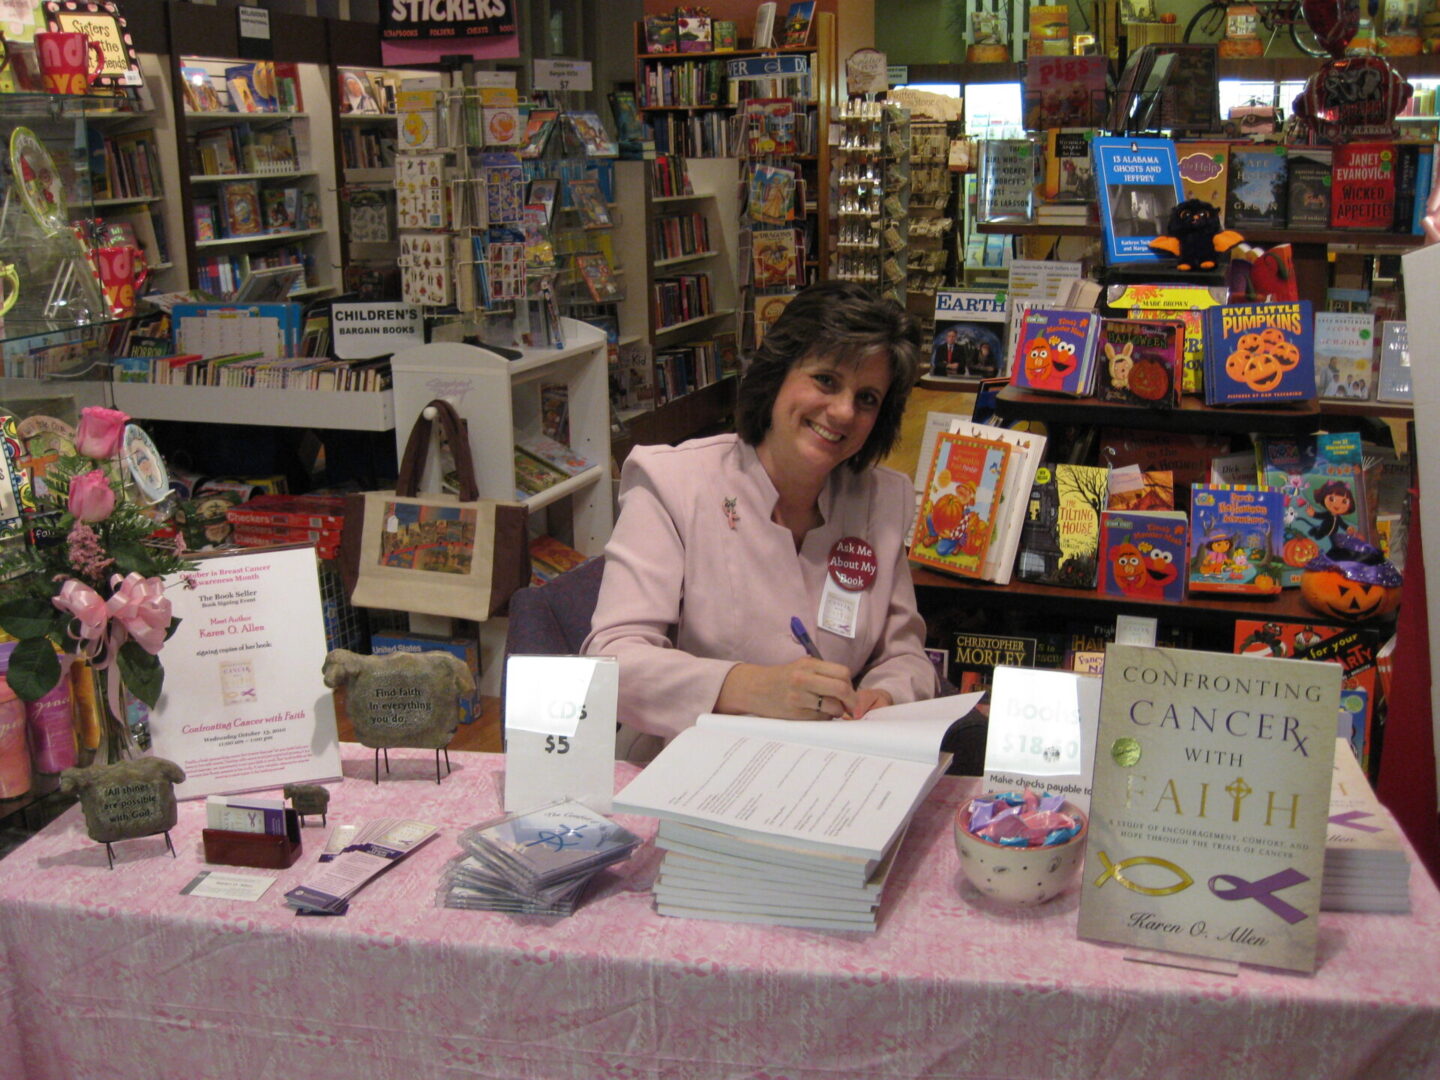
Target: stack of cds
{"x":534,"y":863}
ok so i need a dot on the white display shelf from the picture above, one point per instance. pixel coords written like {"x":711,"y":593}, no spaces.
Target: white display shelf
{"x":228,"y":117}
{"x":569,"y":486}
{"x":258,"y":238}
{"x":695,"y":256}
{"x":225,"y":178}
{"x":341,"y":410}
{"x":131,"y":200}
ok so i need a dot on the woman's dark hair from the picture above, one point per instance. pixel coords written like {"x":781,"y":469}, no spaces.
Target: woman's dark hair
{"x":843,"y":322}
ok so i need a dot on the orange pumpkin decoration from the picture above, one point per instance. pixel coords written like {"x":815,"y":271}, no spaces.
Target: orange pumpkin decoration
{"x":1352,"y":583}
{"x":1149,"y":379}
{"x":1299,"y":550}
{"x":947,"y":514}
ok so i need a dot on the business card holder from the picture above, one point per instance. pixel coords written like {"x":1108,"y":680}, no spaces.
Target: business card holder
{"x":263,"y":850}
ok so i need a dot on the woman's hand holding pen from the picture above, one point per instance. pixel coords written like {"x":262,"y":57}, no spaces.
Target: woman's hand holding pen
{"x":804,"y":689}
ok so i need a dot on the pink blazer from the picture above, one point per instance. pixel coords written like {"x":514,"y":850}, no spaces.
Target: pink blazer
{"x":698,"y":578}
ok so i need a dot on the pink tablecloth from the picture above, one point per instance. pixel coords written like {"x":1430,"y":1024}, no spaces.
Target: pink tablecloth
{"x":114,"y":974}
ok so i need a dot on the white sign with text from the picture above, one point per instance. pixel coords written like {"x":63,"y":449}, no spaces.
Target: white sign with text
{"x":244,"y":706}
{"x":560,"y":730}
{"x":362,"y":331}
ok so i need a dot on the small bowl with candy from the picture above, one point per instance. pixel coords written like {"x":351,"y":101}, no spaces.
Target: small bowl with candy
{"x":1020,"y":848}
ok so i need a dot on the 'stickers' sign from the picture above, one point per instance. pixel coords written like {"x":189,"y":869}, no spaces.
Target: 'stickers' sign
{"x":420,"y":20}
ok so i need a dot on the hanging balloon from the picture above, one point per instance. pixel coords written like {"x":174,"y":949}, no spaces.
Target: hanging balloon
{"x":1333,"y":21}
{"x":1352,"y":98}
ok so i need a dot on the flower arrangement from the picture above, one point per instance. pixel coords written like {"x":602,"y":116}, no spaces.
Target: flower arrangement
{"x":89,"y":583}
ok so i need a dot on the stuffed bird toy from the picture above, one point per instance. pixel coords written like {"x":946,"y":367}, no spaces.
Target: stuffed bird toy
{"x":1194,"y":236}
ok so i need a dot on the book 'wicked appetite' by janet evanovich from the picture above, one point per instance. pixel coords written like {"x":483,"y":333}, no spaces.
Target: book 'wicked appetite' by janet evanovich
{"x":1210,"y":802}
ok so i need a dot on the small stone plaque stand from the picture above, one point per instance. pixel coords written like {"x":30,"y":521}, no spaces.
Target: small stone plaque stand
{"x":127,"y":800}
{"x":403,"y":699}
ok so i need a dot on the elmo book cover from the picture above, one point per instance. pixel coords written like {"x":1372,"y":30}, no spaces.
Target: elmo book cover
{"x":1055,"y":351}
{"x":1142,"y":554}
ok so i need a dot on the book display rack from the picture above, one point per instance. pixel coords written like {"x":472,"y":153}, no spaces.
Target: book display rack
{"x":874,"y":180}
{"x":259,"y":194}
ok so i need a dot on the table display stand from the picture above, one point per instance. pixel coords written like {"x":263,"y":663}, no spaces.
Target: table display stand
{"x":264,"y":851}
{"x":443,"y":750}
{"x":110,"y":850}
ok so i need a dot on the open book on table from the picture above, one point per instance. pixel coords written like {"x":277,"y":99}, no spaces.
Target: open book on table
{"x":843,"y":789}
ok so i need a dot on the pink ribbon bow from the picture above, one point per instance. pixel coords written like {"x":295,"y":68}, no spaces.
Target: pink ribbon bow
{"x":89,"y":610}
{"x":139,"y":606}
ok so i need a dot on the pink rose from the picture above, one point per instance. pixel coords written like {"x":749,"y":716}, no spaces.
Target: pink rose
{"x":139,"y":605}
{"x":91,"y":497}
{"x":100,"y":432}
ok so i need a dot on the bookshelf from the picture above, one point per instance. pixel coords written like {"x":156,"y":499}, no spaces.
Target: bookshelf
{"x":690,"y":237}
{"x":713,"y":123}
{"x":259,"y":187}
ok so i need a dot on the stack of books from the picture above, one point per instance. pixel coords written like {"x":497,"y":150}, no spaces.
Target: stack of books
{"x":1366,"y":868}
{"x":793,"y":824}
{"x":534,"y":863}
{"x":267,"y":520}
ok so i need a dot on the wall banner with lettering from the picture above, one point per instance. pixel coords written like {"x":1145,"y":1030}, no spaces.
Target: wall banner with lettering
{"x":464,"y":20}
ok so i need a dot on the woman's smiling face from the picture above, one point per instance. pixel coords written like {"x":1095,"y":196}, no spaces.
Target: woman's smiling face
{"x":825,"y":411}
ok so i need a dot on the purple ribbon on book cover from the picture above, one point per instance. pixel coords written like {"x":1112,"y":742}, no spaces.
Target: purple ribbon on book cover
{"x":1351,"y":820}
{"x":1263,"y":891}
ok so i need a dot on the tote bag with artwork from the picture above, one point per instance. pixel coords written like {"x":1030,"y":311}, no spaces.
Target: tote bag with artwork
{"x":434,"y":554}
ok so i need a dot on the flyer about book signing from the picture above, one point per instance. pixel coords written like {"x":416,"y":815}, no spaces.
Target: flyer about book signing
{"x":1210,"y":805}
{"x":247,"y":709}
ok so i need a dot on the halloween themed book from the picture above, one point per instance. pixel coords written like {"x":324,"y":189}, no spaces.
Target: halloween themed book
{"x":961,"y":503}
{"x":1259,"y":353}
{"x":1236,"y":536}
{"x":1140,"y":362}
{"x":1055,"y":351}
{"x":1060,"y":540}
{"x":1322,"y":480}
{"x":1142,"y":555}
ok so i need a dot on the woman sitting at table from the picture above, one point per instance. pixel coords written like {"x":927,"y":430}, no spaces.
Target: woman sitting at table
{"x":721,"y":542}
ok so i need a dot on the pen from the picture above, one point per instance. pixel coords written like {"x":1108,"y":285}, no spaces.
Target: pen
{"x":803,"y":636}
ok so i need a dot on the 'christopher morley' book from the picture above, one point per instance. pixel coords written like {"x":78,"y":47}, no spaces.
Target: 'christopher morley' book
{"x":1210,"y":805}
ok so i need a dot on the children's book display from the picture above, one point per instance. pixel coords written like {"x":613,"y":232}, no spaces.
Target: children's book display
{"x":1060,"y":540}
{"x":960,"y":508}
{"x":1322,"y":479}
{"x":1055,"y":351}
{"x":1138,"y":181}
{"x":1236,"y":538}
{"x":1143,"y":554}
{"x":1141,"y":362}
{"x":1259,"y":353}
{"x":1187,"y":303}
